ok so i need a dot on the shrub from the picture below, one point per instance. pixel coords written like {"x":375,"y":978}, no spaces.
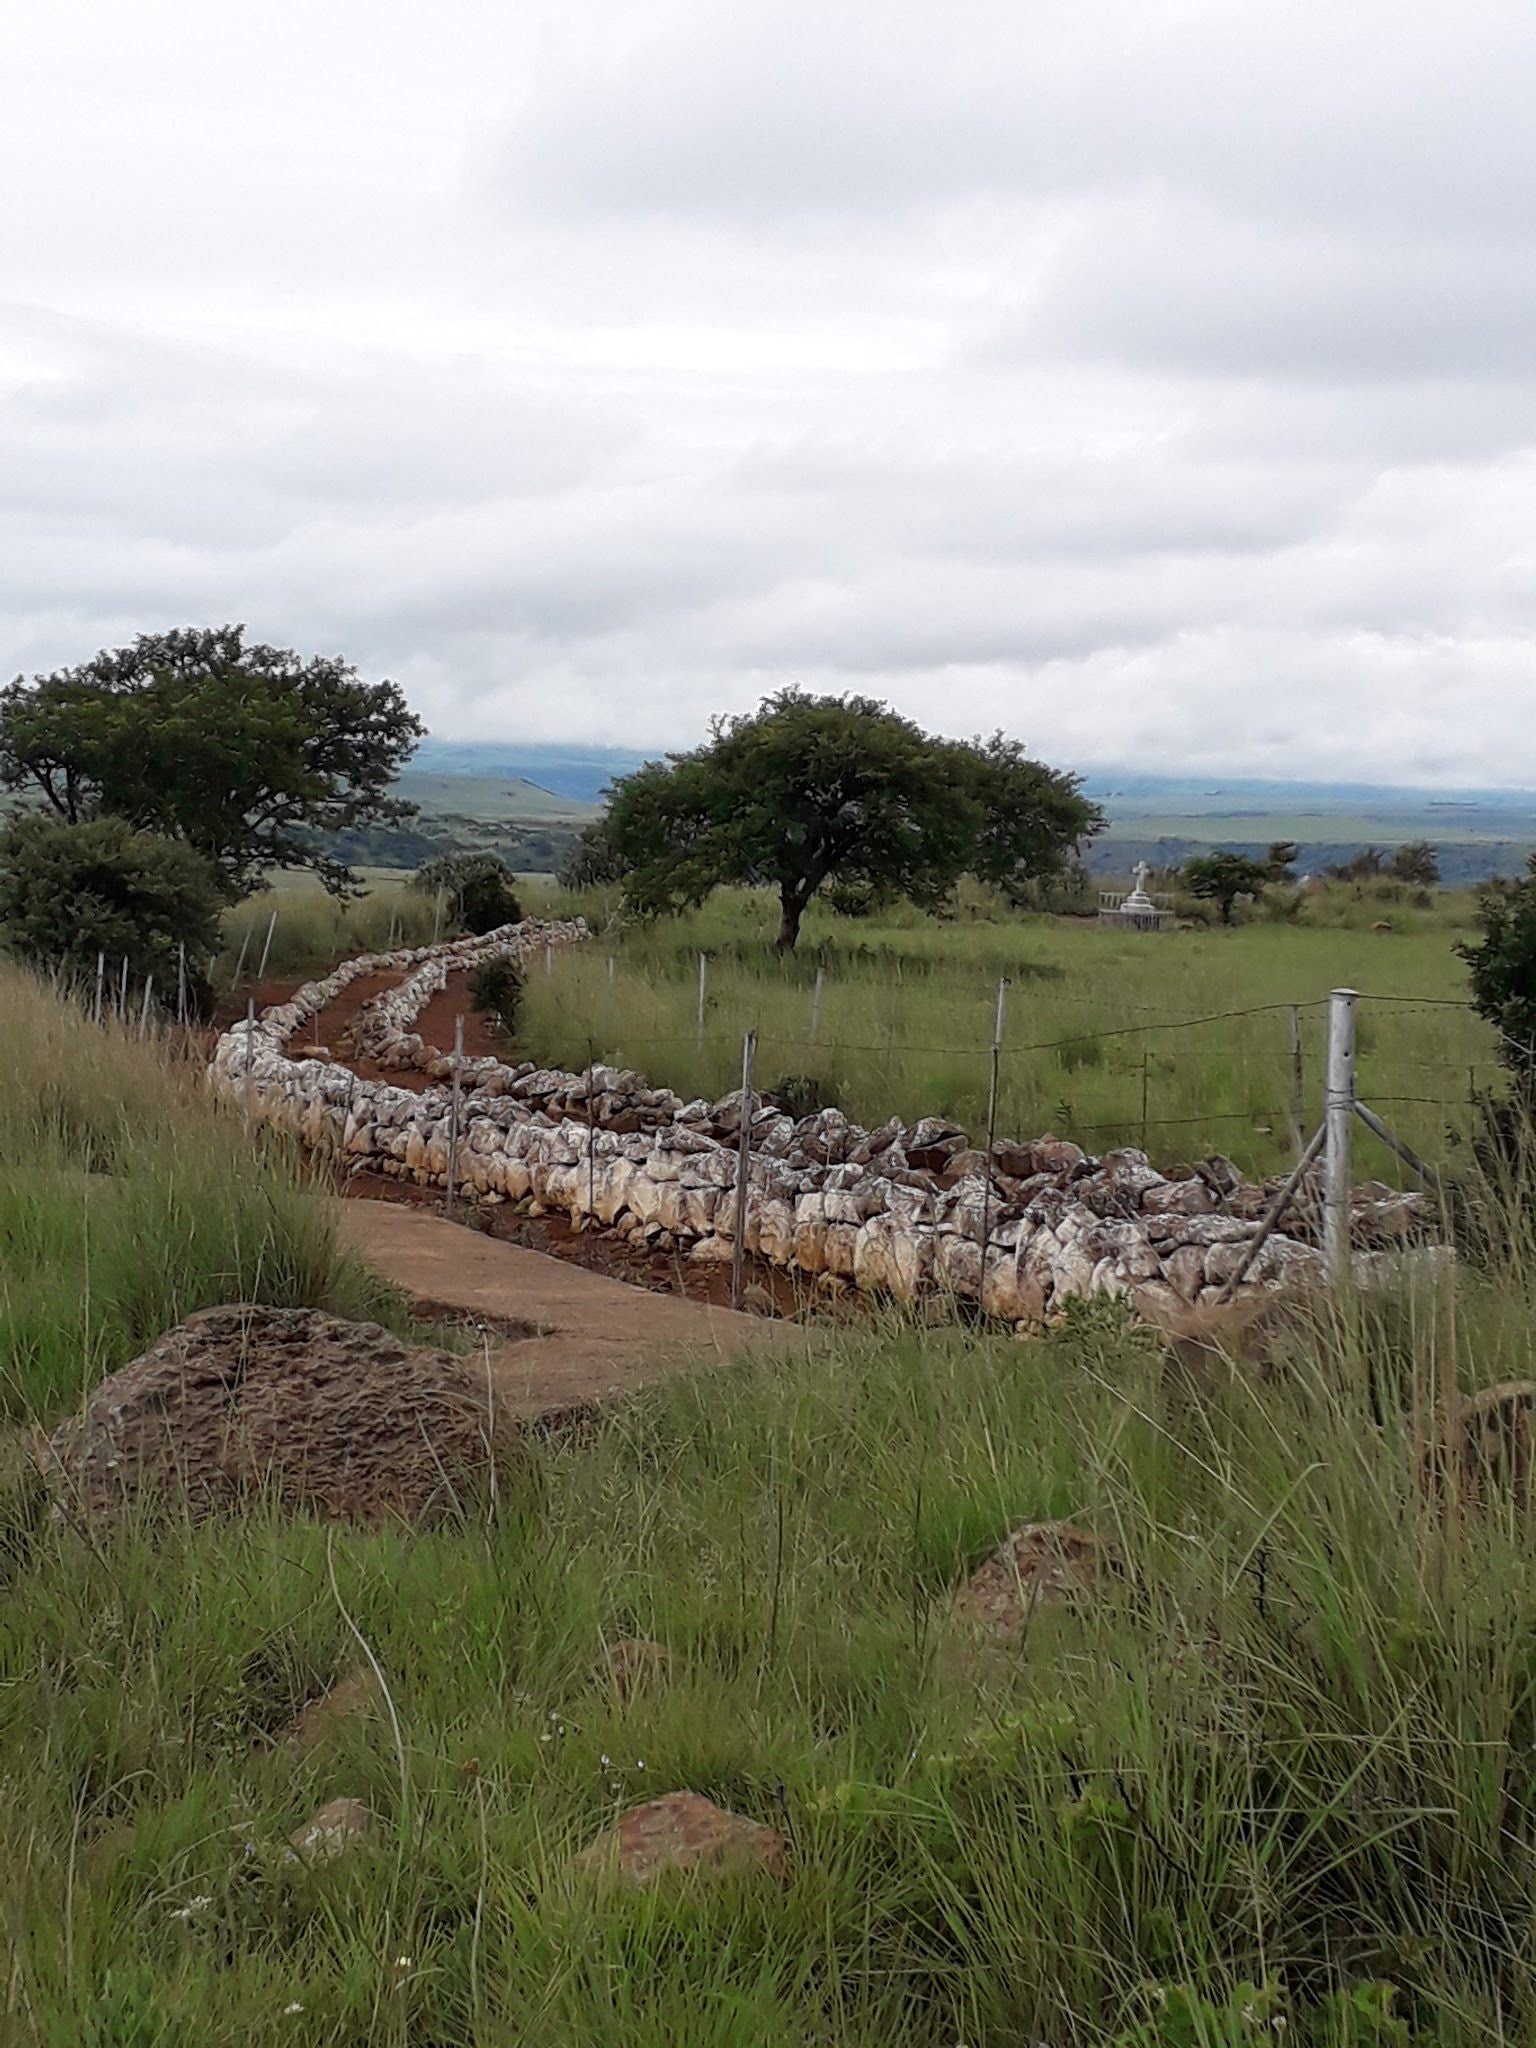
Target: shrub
{"x":594,"y":862}
{"x":71,"y":892}
{"x":801,"y":1095}
{"x":476,"y":889}
{"x":496,"y":990}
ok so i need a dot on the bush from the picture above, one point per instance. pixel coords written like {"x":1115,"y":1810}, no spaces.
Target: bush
{"x":71,"y":892}
{"x":476,"y":889}
{"x":801,"y":1095}
{"x":594,"y":862}
{"x":496,"y":990}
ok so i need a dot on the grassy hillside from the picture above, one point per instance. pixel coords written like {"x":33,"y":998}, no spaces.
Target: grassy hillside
{"x":128,"y":1199}
{"x":1274,"y":1782}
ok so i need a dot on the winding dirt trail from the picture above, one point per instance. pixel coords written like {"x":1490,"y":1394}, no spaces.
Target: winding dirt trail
{"x":562,"y":1334}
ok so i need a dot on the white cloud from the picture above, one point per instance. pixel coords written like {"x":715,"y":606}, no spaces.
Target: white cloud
{"x":1148,"y":379}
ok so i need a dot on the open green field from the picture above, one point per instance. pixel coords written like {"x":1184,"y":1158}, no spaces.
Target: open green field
{"x":908,"y":1006}
{"x":1276,"y":1783}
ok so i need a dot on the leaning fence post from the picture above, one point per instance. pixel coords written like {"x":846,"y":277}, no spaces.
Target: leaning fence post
{"x":453,"y":1114}
{"x":266,"y":950}
{"x":149,"y":989}
{"x":250,"y":1061}
{"x":1339,"y":1119}
{"x":122,"y":996}
{"x":743,"y":1157}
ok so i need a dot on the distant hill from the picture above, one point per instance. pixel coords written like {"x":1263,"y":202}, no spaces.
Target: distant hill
{"x":491,"y":797}
{"x":578,"y":773}
{"x":529,"y":801}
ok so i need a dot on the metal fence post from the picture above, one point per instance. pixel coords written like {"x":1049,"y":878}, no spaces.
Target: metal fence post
{"x":453,"y":1115}
{"x":1339,"y":1120}
{"x":743,"y":1157}
{"x":250,"y":1061}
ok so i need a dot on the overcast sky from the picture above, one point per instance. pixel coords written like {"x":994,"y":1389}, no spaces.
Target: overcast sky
{"x":1155,"y":379}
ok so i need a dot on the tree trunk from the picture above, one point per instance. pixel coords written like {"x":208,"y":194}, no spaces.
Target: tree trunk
{"x":791,"y":910}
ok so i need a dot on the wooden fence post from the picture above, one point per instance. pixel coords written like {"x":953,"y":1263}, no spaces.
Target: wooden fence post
{"x":743,"y":1157}
{"x":101,"y":984}
{"x":698,"y":1029}
{"x":821,"y":976}
{"x":266,"y":950}
{"x":1339,"y":1120}
{"x":1298,"y":1080}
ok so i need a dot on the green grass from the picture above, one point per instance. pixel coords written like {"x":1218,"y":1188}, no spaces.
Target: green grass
{"x":128,"y":1199}
{"x":313,"y":930}
{"x":1283,"y":1771}
{"x":908,"y":1006}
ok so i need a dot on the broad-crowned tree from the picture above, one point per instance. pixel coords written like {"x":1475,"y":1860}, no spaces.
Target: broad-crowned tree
{"x":807,"y":791}
{"x":247,"y":753}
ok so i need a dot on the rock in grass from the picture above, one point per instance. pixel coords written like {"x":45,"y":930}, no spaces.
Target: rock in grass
{"x":335,"y":1829}
{"x":1042,"y":1564}
{"x":313,"y":1725}
{"x":634,"y":1665}
{"x":683,"y":1831}
{"x":325,"y":1417}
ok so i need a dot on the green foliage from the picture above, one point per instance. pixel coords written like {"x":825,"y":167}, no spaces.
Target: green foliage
{"x":1417,"y":862}
{"x":70,"y":892}
{"x":245,"y":752}
{"x":475,"y":888}
{"x":594,"y":862}
{"x":1222,"y":877}
{"x":495,"y":988}
{"x":808,"y":790}
{"x":1502,"y":969}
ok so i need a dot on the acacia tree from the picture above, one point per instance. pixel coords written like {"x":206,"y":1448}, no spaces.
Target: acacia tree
{"x":1222,"y":877}
{"x":807,"y":791}
{"x":246,"y":753}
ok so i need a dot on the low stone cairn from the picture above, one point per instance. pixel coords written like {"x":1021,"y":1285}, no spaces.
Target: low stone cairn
{"x":901,"y":1211}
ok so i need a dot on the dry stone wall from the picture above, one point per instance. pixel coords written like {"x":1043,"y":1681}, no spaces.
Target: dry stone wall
{"x":902,"y":1211}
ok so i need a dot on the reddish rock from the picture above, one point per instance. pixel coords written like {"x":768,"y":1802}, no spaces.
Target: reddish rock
{"x":684,"y":1831}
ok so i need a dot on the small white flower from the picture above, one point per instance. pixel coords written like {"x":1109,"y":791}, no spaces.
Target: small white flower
{"x":198,"y":1905}
{"x":292,"y":2007}
{"x":402,"y":1962}
{"x":639,"y":1763}
{"x":602,"y":1763}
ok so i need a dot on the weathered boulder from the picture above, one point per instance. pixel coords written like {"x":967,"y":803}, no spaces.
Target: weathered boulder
{"x":325,"y":1417}
{"x":1042,"y":1564}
